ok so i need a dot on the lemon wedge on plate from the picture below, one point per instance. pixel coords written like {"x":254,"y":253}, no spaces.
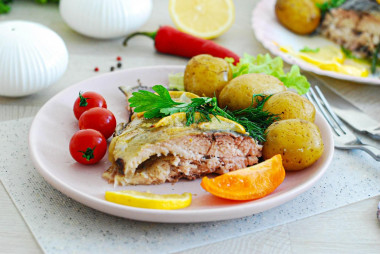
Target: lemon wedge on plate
{"x":202,"y":18}
{"x":330,"y":58}
{"x":355,"y":68}
{"x":215,"y":123}
{"x":149,"y":200}
{"x":182,"y":96}
{"x":325,"y":56}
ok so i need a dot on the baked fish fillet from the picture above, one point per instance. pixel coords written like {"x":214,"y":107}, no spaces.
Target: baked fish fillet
{"x":143,"y":154}
{"x":354,"y":25}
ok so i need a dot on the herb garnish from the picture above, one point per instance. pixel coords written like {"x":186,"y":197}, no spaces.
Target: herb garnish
{"x":373,"y":62}
{"x":253,"y":119}
{"x":375,"y":59}
{"x":307,"y":49}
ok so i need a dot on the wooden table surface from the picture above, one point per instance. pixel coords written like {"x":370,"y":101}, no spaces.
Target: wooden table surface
{"x":350,"y":229}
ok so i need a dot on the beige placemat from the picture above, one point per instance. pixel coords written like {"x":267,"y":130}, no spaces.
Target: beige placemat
{"x":62,"y":225}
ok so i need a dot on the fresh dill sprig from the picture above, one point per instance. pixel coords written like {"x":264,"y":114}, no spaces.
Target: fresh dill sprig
{"x":375,"y":59}
{"x":254,"y":119}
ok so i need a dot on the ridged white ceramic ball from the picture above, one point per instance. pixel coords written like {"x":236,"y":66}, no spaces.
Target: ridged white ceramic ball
{"x":32,"y":57}
{"x":105,"y":19}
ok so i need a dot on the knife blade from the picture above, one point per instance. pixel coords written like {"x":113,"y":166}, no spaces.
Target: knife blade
{"x":348,"y":112}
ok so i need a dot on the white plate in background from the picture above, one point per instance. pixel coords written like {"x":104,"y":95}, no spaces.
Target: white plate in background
{"x":272,"y":34}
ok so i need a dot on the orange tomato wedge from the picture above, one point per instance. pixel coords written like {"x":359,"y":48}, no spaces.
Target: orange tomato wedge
{"x":247,"y":183}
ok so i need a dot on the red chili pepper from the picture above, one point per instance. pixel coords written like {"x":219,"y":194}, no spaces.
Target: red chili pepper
{"x":169,"y":40}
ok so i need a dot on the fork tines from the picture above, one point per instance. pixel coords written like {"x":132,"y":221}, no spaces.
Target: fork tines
{"x":319,"y":100}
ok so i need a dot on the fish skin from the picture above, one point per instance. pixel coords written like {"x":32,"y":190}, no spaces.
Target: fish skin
{"x":361,"y":5}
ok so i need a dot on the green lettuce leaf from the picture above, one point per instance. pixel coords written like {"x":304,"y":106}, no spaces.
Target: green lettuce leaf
{"x":271,"y":66}
{"x":293,"y":79}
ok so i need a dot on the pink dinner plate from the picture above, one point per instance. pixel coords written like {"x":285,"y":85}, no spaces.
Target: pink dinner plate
{"x":55,"y":124}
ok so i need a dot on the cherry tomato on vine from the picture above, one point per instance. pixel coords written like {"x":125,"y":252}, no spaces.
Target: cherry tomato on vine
{"x":99,"y":119}
{"x":87,"y":101}
{"x":88,"y":146}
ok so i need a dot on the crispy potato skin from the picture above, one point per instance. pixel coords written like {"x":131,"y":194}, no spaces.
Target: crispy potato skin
{"x":299,"y":16}
{"x":298,"y":141}
{"x":237,"y":94}
{"x":290,"y":105}
{"x":206,"y":75}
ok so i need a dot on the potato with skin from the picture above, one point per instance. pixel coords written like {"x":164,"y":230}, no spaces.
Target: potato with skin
{"x":298,"y":141}
{"x":206,"y":75}
{"x":299,"y":16}
{"x":290,"y":105}
{"x":237,"y":94}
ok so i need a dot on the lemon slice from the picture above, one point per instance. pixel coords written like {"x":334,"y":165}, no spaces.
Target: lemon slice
{"x":221,"y":123}
{"x":182,"y":96}
{"x":357,"y":67}
{"x":331,"y":58}
{"x":149,"y":200}
{"x":325,"y":56}
{"x":175,"y":119}
{"x":216,"y":123}
{"x":202,"y":18}
{"x":358,"y":71}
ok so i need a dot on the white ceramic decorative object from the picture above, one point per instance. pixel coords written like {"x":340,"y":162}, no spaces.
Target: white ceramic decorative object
{"x":32,"y":57}
{"x":105,"y":19}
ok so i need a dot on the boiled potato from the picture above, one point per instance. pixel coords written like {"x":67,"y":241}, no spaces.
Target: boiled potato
{"x":299,"y":16}
{"x":206,"y":75}
{"x":290,"y":105}
{"x":237,"y":94}
{"x":298,"y":141}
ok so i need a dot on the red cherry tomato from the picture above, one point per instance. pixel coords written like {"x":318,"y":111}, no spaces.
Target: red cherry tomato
{"x":99,"y":119}
{"x":88,"y":146}
{"x":86,"y":101}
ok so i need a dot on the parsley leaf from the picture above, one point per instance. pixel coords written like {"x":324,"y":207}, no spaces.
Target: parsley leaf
{"x":307,"y":49}
{"x":152,"y":103}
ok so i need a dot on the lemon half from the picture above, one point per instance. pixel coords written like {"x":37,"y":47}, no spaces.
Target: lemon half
{"x":216,"y":123}
{"x":149,"y":200}
{"x":202,"y":18}
{"x":331,"y":58}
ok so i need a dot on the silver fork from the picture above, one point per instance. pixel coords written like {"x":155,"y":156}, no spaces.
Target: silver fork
{"x":344,"y":138}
